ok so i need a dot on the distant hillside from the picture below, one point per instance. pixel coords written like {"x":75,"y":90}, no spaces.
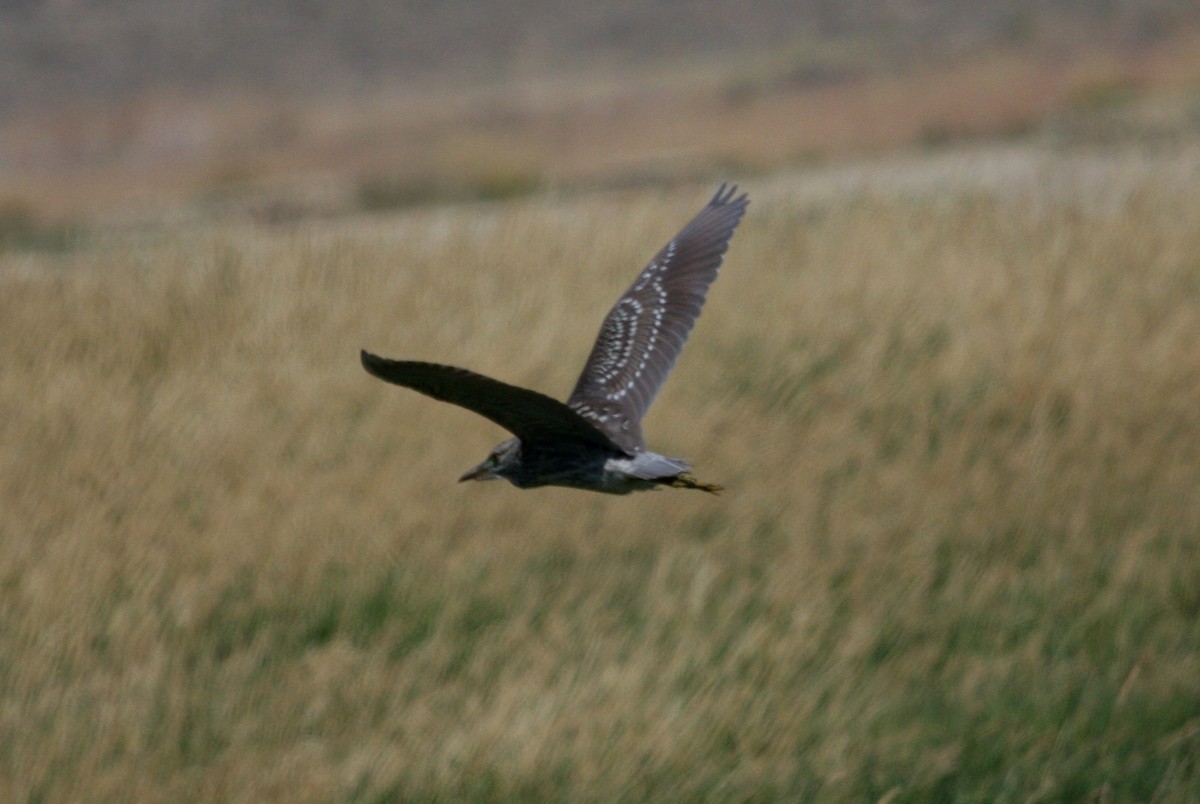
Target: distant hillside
{"x":282,"y":109}
{"x":57,"y":51}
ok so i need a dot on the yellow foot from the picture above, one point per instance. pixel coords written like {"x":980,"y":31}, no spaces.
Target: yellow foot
{"x":688,"y":481}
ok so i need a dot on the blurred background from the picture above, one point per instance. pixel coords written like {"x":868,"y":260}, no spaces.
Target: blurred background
{"x":287,"y":109}
{"x":949,"y":378}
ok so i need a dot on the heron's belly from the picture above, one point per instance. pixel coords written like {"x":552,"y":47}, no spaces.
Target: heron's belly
{"x":604,"y":482}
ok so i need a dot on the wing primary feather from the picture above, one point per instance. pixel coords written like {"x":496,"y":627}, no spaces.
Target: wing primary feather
{"x":653,"y":318}
{"x":529,"y":415}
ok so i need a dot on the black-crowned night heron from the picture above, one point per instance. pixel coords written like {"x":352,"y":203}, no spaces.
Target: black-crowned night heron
{"x":594,"y":440}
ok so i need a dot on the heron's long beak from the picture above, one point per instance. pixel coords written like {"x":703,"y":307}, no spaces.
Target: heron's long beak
{"x":480,"y":472}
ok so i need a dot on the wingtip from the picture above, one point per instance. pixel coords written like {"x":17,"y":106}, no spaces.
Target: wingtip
{"x":726,"y":193}
{"x":369,"y":361}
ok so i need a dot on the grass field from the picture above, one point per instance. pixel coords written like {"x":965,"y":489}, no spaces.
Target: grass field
{"x":955,"y":404}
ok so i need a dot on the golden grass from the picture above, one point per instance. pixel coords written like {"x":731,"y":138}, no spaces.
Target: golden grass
{"x":958,"y":555}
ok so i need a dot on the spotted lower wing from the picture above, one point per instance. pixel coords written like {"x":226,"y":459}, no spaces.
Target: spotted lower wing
{"x":644,"y":332}
{"x":530,"y":416}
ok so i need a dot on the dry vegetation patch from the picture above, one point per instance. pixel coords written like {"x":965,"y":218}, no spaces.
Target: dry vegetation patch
{"x":958,"y":557}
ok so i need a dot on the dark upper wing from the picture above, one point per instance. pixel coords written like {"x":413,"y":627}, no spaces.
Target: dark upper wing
{"x":528,"y":415}
{"x":645,"y":330}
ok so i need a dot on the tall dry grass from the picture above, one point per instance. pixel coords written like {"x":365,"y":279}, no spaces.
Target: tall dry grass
{"x":958,"y":557}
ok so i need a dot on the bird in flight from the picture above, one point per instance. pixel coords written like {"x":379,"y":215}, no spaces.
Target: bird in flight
{"x":594,"y":440}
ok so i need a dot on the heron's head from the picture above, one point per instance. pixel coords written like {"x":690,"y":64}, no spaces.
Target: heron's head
{"x":502,"y":460}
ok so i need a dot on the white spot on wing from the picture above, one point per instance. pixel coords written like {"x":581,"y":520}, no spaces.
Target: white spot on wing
{"x":621,"y":339}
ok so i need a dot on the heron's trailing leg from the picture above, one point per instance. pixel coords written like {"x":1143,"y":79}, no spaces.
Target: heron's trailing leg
{"x":686,"y":480}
